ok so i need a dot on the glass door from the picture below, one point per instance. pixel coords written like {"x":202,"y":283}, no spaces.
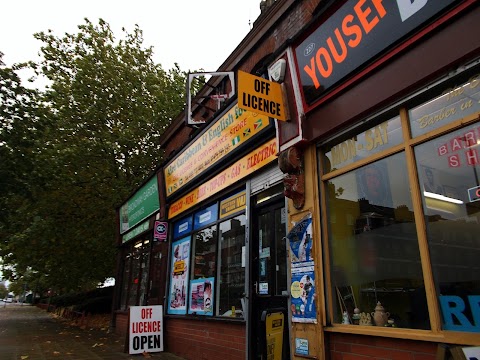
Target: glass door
{"x":268,"y":271}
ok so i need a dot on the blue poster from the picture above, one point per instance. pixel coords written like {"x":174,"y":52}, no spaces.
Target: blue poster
{"x":300,"y":240}
{"x":302,"y":267}
{"x":303,"y":294}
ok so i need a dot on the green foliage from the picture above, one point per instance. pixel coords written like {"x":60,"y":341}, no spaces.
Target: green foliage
{"x":76,"y":150}
{"x":3,"y":291}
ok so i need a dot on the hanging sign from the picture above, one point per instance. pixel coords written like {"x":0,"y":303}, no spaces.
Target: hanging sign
{"x":261,"y":96}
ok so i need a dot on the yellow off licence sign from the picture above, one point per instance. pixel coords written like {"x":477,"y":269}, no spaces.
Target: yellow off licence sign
{"x":261,"y":96}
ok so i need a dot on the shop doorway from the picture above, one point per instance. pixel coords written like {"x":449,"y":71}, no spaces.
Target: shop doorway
{"x":268,"y":273}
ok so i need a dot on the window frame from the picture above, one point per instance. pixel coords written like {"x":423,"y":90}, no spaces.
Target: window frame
{"x":436,"y":333}
{"x":190,"y":217}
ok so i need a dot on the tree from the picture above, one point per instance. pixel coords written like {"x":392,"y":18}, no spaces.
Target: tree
{"x":22,"y":124}
{"x":3,"y":291}
{"x":105,"y":107}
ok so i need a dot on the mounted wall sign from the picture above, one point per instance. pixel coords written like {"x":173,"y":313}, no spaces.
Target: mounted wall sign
{"x":357,"y":33}
{"x":261,"y":96}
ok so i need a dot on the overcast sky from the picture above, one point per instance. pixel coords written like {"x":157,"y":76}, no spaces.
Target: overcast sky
{"x":193,"y":33}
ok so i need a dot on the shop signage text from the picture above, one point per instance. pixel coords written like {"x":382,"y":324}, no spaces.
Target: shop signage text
{"x":461,"y":150}
{"x":367,"y":141}
{"x":233,"y":204}
{"x":358,"y":32}
{"x":261,"y":96}
{"x":242,"y":168}
{"x":452,"y":104}
{"x":160,"y":230}
{"x":454,"y":308}
{"x":141,"y":205}
{"x":136,"y":231}
{"x":230,"y":131}
{"x":146,"y":329}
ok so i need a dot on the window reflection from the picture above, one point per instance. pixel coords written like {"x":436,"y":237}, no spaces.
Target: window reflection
{"x":453,"y":222}
{"x":204,"y":248}
{"x":232,"y":269}
{"x":373,"y":245}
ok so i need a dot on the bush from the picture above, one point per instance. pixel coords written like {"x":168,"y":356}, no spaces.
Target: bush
{"x":97,"y":305}
{"x":97,"y":301}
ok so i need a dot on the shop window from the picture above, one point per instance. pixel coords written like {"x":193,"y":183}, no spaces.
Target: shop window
{"x":135,"y":276}
{"x":204,"y":253}
{"x":207,"y":268}
{"x":232,"y":266}
{"x":448,"y":169}
{"x":450,"y":104}
{"x":374,"y":252}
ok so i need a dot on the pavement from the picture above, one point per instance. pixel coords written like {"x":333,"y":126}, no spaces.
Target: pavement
{"x":30,"y":333}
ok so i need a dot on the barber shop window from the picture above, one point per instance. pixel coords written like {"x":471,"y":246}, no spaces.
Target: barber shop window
{"x":448,"y":173}
{"x":208,"y":260}
{"x":448,"y":169}
{"x":405,"y":209}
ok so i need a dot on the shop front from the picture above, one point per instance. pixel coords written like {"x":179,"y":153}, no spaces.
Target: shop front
{"x":142,"y":253}
{"x":391,"y":94}
{"x":227,"y":256}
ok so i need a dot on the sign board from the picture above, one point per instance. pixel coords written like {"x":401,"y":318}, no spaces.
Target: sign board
{"x":247,"y":165}
{"x":472,"y":353}
{"x":261,"y":96}
{"x":140,"y":206}
{"x":229,"y":132}
{"x":355,"y":34}
{"x":140,"y":229}
{"x":145,"y":329}
{"x":233,"y":204}
{"x":160,"y":230}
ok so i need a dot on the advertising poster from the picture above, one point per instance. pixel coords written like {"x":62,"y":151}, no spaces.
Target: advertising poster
{"x":201,"y":296}
{"x":300,"y":240}
{"x":145,"y":329}
{"x":179,"y":276}
{"x":302,"y":267}
{"x":303,"y":293}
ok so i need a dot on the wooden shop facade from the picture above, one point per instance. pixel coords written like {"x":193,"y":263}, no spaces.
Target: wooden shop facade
{"x":344,"y":228}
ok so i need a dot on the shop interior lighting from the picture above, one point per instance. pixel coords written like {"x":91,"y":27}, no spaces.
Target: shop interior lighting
{"x":442,"y":197}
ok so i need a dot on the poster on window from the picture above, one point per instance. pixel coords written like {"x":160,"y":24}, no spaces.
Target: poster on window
{"x":201,"y":296}
{"x":179,"y":276}
{"x":300,"y":240}
{"x":303,"y":293}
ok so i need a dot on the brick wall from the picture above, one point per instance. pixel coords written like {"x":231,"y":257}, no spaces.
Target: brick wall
{"x":360,"y":347}
{"x":121,"y":324}
{"x":205,"y":339}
